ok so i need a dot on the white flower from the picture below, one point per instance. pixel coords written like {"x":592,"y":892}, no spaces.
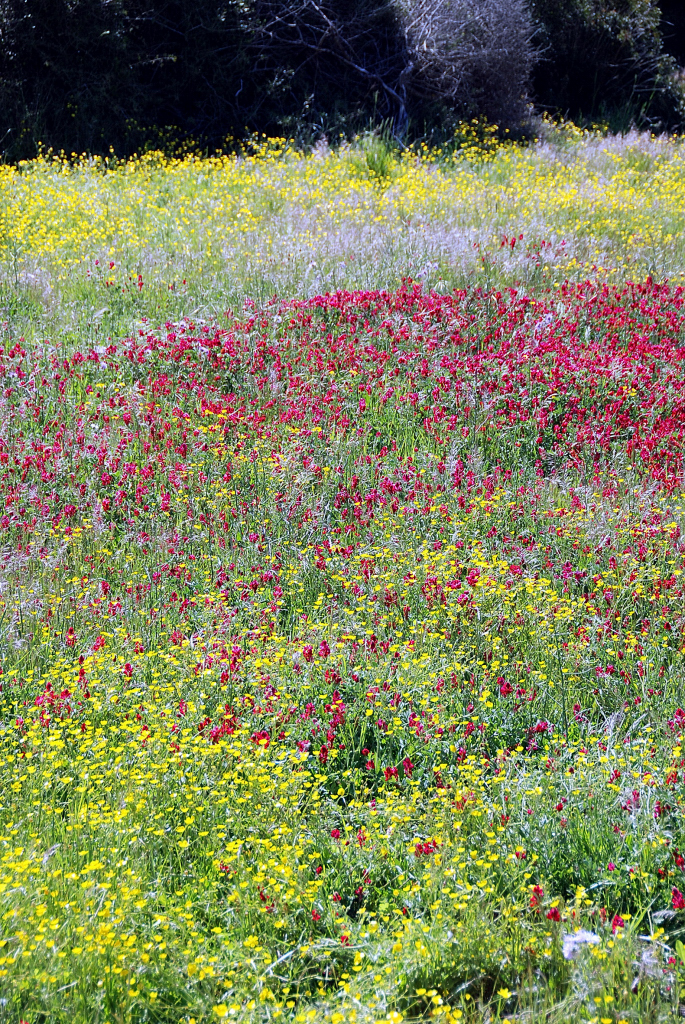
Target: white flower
{"x":572,"y":944}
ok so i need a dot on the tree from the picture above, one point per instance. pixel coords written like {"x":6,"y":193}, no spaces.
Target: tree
{"x":471,"y":57}
{"x":87,"y":75}
{"x":604,"y":59}
{"x":475,"y":55}
{"x":347,"y":58}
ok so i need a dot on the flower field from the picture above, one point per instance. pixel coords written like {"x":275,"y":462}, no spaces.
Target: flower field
{"x":205,"y":233}
{"x":342,"y":632}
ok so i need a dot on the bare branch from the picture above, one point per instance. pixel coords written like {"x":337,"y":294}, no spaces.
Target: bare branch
{"x":475,"y":54}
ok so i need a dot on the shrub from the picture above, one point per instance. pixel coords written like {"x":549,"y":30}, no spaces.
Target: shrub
{"x":87,"y":75}
{"x":329,"y":65}
{"x":476,"y":55}
{"x":84,"y":75}
{"x":604,"y":60}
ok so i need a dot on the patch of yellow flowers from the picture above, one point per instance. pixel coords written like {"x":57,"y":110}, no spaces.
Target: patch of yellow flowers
{"x":275,"y":217}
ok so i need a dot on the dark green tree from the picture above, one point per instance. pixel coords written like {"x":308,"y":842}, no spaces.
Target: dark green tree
{"x":604,"y":60}
{"x":87,"y":75}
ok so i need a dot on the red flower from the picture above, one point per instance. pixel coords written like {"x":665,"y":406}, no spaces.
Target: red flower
{"x":677,"y":899}
{"x":553,"y":914}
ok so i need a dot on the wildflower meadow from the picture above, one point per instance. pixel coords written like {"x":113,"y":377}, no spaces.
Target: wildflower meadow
{"x":342,"y":502}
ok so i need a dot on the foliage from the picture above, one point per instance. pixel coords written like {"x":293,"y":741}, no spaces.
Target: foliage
{"x":342,"y":635}
{"x":333,"y":65}
{"x":477,"y":55}
{"x":89,"y":75}
{"x":604,"y":60}
{"x":94,"y":76}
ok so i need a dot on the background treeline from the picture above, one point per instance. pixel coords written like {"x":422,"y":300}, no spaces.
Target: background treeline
{"x":90,"y":75}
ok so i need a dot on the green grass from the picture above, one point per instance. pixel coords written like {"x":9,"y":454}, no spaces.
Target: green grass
{"x":341,"y":635}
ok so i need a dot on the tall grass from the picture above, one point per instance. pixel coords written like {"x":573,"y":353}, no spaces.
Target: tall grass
{"x":198,"y":236}
{"x":342,"y":634}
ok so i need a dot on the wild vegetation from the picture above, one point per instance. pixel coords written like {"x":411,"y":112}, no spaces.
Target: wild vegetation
{"x":342,"y":628}
{"x":98,"y":76}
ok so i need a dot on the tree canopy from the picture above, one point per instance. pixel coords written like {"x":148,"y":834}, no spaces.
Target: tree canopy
{"x":101,"y":75}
